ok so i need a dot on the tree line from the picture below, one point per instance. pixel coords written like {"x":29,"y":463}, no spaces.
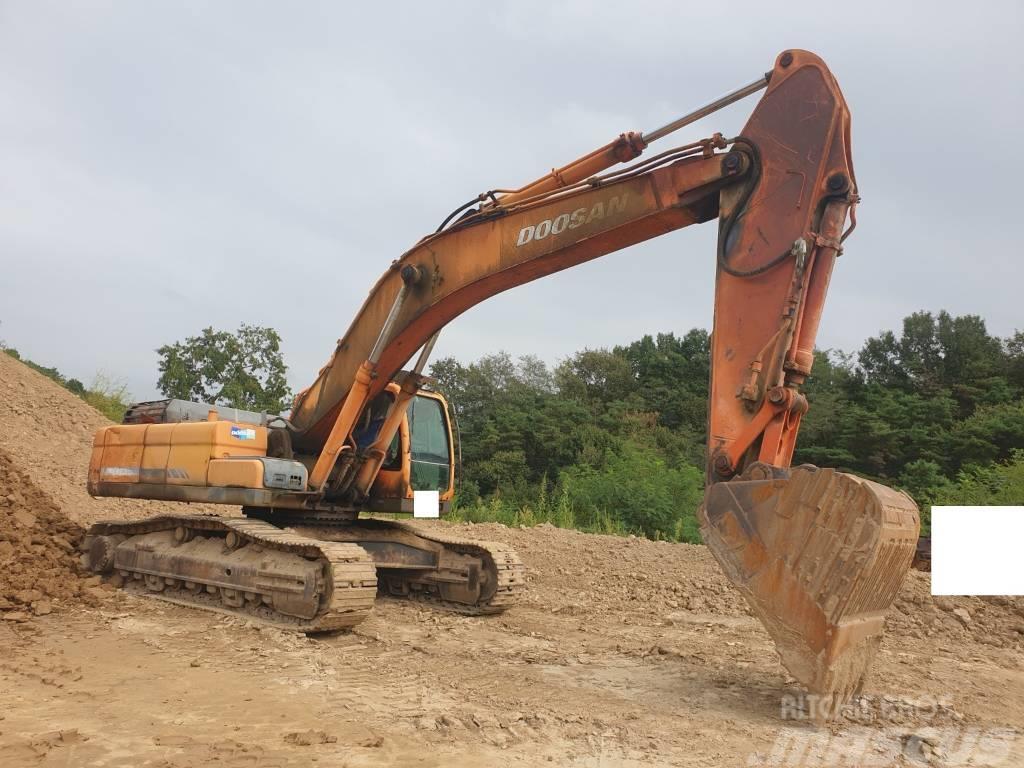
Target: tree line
{"x":613,"y":439}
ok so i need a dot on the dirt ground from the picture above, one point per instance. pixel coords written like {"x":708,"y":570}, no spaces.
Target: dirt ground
{"x":624,"y":652}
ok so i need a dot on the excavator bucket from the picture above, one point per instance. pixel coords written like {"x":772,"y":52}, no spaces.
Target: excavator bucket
{"x":820,"y":556}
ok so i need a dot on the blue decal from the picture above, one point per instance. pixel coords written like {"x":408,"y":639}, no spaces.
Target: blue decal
{"x":243,"y":433}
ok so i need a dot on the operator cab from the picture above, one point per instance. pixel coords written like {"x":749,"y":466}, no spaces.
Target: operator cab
{"x":420,"y":458}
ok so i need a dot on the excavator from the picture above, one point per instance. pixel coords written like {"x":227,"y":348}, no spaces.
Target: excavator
{"x":818,"y":554}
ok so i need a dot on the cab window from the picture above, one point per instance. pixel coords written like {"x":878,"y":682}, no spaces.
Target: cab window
{"x":429,"y":447}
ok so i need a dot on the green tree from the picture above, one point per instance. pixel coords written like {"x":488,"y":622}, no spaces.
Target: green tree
{"x":941,"y":354}
{"x":514,"y":428}
{"x":990,"y":434}
{"x":1001,"y":484}
{"x":1015,"y":361}
{"x":244,"y":369}
{"x":613,"y":439}
{"x":595,"y":375}
{"x":636,"y":487}
{"x":924,"y":480}
{"x":672,"y":375}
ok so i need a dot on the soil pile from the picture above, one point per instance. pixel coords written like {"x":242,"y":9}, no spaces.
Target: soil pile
{"x":581,"y":573}
{"x":38,"y":560}
{"x":45,"y":446}
{"x":996,"y":621}
{"x":48,"y":432}
{"x":652,"y":582}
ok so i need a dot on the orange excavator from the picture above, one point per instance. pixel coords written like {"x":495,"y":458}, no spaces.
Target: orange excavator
{"x":819,"y":555}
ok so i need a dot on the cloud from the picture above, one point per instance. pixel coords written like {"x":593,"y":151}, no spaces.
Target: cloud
{"x":172,"y":166}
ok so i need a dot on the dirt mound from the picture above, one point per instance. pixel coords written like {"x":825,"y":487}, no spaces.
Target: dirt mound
{"x":38,"y":560}
{"x":988,"y":620}
{"x":44,"y":457}
{"x":583,"y":573}
{"x":652,"y":582}
{"x":48,"y":434}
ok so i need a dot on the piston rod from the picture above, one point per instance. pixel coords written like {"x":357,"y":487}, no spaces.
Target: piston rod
{"x":421,"y":361}
{"x":707,"y":109}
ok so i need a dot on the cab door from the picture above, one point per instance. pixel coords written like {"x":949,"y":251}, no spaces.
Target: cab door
{"x":421,"y":458}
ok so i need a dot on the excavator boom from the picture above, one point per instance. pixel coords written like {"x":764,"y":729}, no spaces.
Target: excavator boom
{"x":818,"y":554}
{"x":785,"y":186}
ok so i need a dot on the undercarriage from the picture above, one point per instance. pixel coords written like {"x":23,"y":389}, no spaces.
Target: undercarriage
{"x":310,"y":576}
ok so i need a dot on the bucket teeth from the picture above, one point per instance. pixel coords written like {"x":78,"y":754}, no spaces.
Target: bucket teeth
{"x":820,"y":556}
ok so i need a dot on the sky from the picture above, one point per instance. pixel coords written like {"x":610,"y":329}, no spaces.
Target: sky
{"x":167,"y":166}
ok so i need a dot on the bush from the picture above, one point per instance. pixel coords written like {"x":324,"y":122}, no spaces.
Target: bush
{"x":997,"y":484}
{"x":108,"y":396}
{"x":638,"y":488}
{"x":924,"y":480}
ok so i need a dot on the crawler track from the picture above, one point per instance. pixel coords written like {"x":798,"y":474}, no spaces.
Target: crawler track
{"x":310,"y":578}
{"x":503,"y":579}
{"x":509,"y":572}
{"x":240,"y":567}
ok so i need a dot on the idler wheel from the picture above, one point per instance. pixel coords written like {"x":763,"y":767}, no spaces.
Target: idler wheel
{"x":101,"y":553}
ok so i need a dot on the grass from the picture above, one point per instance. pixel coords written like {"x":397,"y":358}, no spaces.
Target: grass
{"x":558,"y":511}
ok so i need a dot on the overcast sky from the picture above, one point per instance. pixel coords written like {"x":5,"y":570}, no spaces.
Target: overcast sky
{"x":169,"y":166}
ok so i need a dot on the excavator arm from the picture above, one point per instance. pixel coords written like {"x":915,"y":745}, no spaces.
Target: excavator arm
{"x":819,"y":555}
{"x":501,"y":248}
{"x":781,"y":192}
